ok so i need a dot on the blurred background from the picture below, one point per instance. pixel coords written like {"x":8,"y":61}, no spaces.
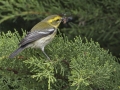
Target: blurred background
{"x":98,"y":20}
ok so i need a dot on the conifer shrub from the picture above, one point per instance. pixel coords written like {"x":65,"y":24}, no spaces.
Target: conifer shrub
{"x":74,"y":65}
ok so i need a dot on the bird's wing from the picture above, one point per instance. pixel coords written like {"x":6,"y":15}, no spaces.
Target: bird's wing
{"x":35,"y":35}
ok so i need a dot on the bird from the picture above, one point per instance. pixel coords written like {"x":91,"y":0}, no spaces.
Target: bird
{"x":40,"y":35}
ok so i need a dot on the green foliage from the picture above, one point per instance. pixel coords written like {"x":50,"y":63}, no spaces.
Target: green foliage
{"x":10,"y":9}
{"x":74,"y":65}
{"x":98,"y":20}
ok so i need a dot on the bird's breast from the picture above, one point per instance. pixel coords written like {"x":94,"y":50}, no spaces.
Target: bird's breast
{"x":43,"y":41}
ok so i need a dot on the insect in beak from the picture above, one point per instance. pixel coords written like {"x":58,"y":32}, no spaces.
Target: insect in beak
{"x":66,"y":19}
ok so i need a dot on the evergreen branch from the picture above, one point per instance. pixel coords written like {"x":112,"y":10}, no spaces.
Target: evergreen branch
{"x":4,"y":18}
{"x":10,"y":69}
{"x":15,"y":71}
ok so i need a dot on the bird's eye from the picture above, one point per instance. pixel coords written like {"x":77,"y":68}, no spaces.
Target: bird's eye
{"x":58,"y":20}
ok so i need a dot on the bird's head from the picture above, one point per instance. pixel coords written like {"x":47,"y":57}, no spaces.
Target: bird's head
{"x":54,"y":20}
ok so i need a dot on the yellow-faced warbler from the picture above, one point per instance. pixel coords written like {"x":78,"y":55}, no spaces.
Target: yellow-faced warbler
{"x":40,"y":35}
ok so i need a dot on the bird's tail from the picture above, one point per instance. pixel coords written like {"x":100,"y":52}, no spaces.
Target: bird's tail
{"x":16,"y":52}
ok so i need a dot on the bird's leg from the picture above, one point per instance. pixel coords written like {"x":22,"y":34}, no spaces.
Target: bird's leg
{"x":45,"y":53}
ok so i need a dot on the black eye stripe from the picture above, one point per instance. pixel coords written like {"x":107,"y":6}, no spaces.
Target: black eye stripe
{"x":58,"y":20}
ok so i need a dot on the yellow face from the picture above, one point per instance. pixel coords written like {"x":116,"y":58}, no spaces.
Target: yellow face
{"x":54,"y":20}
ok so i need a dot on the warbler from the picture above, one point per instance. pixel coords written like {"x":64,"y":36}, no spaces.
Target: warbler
{"x":40,"y":35}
